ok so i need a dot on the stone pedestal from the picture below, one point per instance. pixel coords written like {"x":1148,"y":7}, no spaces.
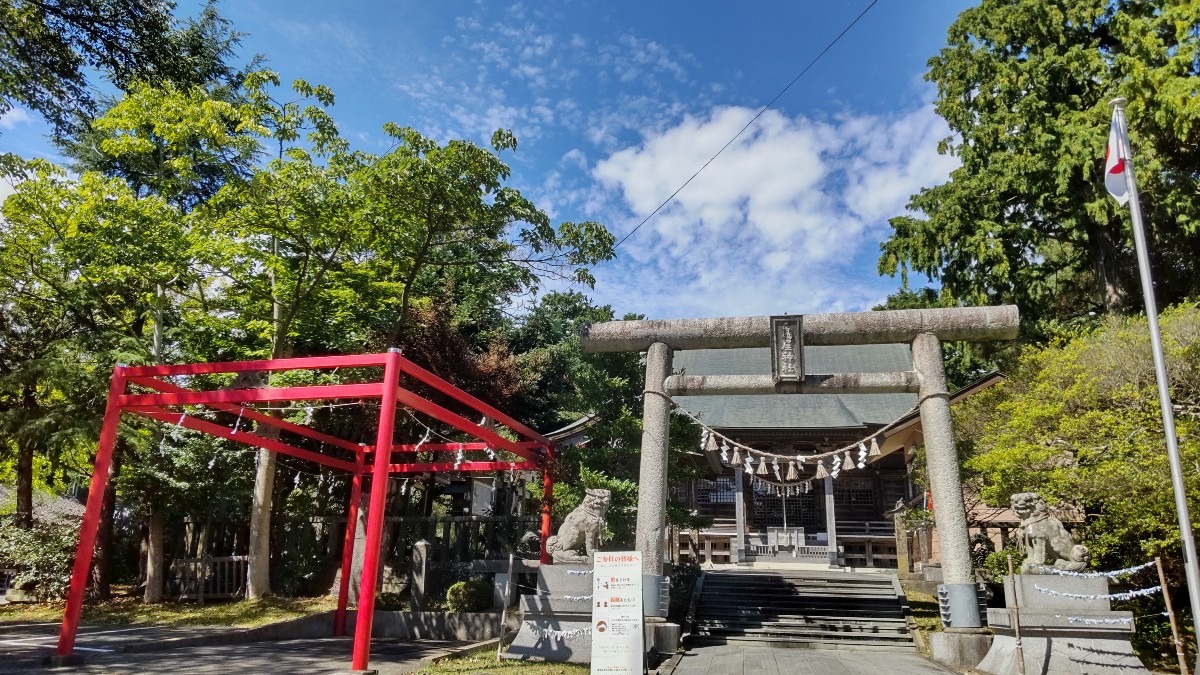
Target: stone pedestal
{"x":562,"y":603}
{"x":1061,"y":635}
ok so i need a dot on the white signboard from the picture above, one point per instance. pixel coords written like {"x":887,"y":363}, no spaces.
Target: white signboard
{"x":617,"y":623}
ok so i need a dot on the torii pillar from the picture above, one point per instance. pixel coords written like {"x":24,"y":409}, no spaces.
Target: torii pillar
{"x":923,"y":329}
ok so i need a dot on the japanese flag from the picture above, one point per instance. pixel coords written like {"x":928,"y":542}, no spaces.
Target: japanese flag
{"x":1115,"y":163}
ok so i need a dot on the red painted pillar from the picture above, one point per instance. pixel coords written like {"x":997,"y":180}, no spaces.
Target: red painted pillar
{"x":379,"y":483}
{"x":339,"y":617}
{"x":91,"y":515}
{"x":547,"y":502}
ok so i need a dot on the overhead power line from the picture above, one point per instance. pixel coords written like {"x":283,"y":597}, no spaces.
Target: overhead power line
{"x":754,"y":119}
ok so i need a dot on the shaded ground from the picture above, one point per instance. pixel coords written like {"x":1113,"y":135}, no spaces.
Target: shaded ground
{"x":736,"y":660}
{"x":483,"y":661}
{"x":224,"y":651}
{"x":22,"y":644}
{"x":309,"y":657}
{"x":130,"y":610}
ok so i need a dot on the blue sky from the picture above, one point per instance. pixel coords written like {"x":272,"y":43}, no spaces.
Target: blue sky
{"x":616,"y":103}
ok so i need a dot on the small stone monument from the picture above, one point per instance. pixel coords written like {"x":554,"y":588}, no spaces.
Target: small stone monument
{"x":1066,"y":621}
{"x":557,"y":621}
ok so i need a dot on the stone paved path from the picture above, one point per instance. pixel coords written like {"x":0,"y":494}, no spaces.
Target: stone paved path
{"x":735,"y":660}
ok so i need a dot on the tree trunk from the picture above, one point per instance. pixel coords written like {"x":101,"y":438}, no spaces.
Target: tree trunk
{"x":155,"y":535}
{"x":1107,"y":269}
{"x":102,"y":560}
{"x":24,"y":514}
{"x":258,"y":582}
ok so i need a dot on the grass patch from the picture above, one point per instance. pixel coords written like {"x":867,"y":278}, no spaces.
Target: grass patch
{"x":483,"y":662}
{"x":925,"y":610}
{"x":238,"y":614}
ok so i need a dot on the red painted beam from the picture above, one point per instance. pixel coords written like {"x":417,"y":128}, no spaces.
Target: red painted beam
{"x":547,"y":505}
{"x":91,"y":516}
{"x":339,"y":616}
{"x":300,"y":363}
{"x":253,"y":414}
{"x":246,"y":437}
{"x":361,"y":651}
{"x":454,"y":447}
{"x":463,"y":397}
{"x":372,"y":390}
{"x":462,"y":424}
{"x":465,"y":466}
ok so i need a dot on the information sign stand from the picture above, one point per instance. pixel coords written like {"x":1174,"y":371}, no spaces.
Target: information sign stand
{"x":618,"y":626}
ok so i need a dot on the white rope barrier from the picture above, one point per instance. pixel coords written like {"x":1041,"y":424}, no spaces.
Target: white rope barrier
{"x":1125,"y":595}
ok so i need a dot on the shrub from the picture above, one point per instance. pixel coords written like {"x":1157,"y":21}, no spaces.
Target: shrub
{"x":473,"y":595}
{"x":43,"y":554}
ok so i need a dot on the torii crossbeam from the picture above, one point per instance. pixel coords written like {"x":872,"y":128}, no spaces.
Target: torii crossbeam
{"x":165,"y":402}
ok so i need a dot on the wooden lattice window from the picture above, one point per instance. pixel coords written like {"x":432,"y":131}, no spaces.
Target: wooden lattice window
{"x":853,"y":492}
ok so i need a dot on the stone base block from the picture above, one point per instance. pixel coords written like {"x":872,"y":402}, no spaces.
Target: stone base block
{"x":531,"y":645}
{"x":565,"y":579}
{"x":663,"y":638}
{"x":959,"y":650}
{"x":1062,"y":656}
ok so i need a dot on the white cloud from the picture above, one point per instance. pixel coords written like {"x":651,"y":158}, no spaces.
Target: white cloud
{"x":14,"y":117}
{"x":786,"y":219}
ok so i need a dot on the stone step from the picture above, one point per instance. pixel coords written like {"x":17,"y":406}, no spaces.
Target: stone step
{"x":801,"y":603}
{"x":802,"y":620}
{"x":787,"y":592}
{"x":827,"y":635}
{"x":717,"y":625}
{"x":808,"y":643}
{"x":801,"y":609}
{"x":707,"y":600}
{"x":760,"y":580}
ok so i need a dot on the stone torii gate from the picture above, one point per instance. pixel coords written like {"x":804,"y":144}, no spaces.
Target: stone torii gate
{"x":924,"y":329}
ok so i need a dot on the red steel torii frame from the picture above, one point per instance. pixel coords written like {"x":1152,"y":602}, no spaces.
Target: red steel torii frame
{"x":535,"y":451}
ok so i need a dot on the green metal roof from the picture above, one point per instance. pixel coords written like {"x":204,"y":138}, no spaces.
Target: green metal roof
{"x":797,"y":411}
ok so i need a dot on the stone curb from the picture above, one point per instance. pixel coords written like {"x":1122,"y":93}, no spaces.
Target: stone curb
{"x":459,"y":651}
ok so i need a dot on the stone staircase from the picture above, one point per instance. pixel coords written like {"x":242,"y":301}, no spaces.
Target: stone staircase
{"x":813,"y":610}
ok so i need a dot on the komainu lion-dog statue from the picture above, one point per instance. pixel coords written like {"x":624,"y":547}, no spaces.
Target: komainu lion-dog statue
{"x":579,"y":535}
{"x":1044,"y":539}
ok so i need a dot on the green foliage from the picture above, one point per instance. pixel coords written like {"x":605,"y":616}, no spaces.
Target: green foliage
{"x":174,"y":242}
{"x":995,"y":565}
{"x":49,"y":46}
{"x":42,"y":554}
{"x":472,"y":595}
{"x":1079,"y":421}
{"x":1024,"y":87}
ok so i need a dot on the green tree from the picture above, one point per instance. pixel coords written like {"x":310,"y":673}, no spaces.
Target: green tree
{"x":48,"y":48}
{"x":1024,"y":86}
{"x":561,"y":384}
{"x":1079,"y":422}
{"x":437,"y":212}
{"x":96,"y":257}
{"x":186,"y":164}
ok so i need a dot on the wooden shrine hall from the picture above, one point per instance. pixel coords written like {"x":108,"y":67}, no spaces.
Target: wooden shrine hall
{"x":841,"y":521}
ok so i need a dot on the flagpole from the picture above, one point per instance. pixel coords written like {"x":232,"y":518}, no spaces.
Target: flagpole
{"x":1160,"y":371}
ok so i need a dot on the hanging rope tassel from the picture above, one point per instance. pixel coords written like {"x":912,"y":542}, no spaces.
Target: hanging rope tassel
{"x":737,"y":457}
{"x":762,"y":466}
{"x":710,"y":443}
{"x":848,"y":462}
{"x":874,"y":448}
{"x":821,"y":471}
{"x":793,"y":473}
